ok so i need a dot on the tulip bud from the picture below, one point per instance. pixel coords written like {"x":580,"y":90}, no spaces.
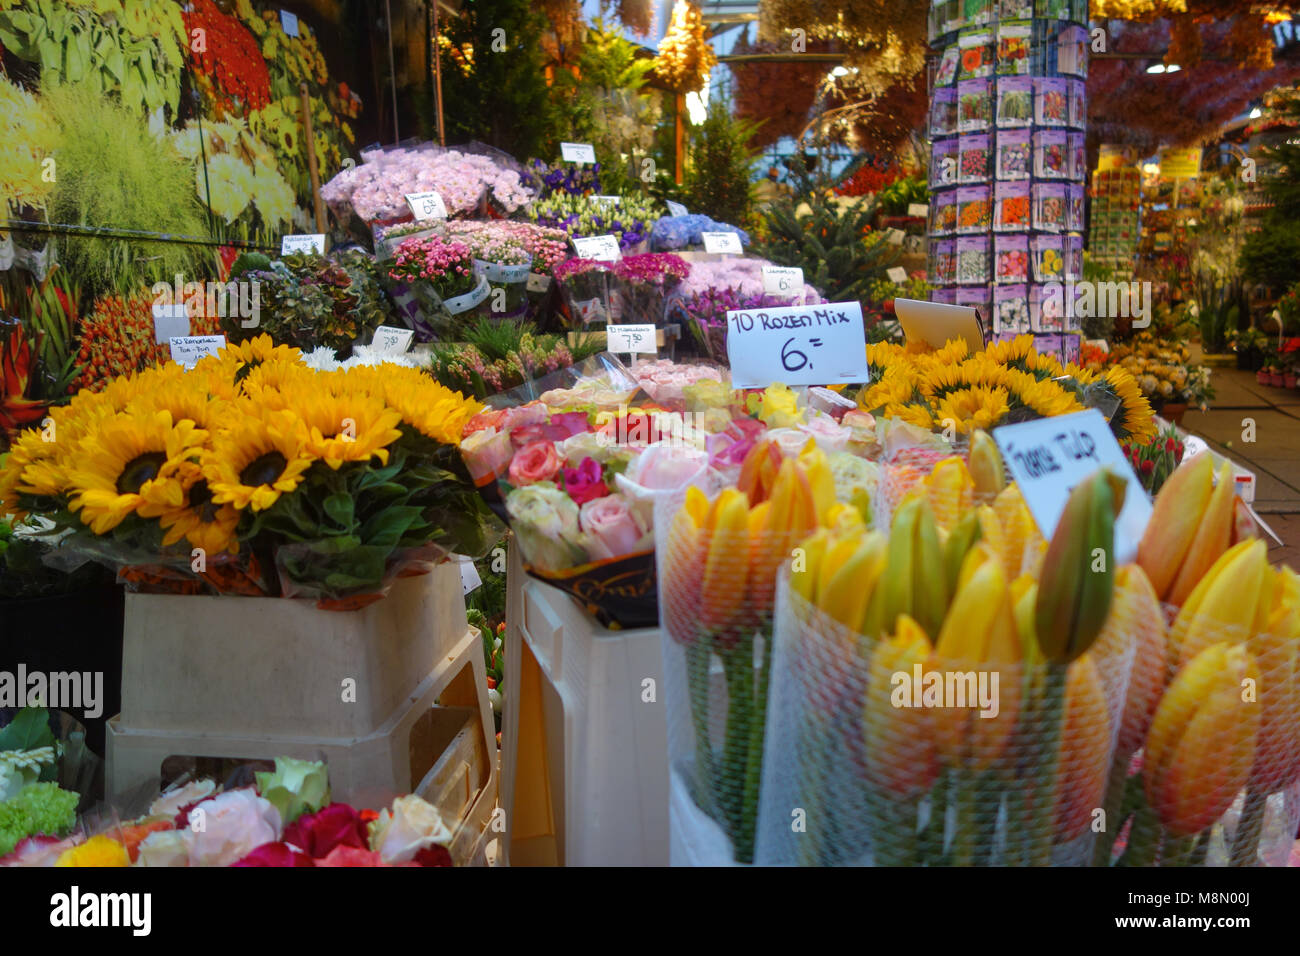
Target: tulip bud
{"x":1201,"y":746}
{"x":849,"y":574}
{"x":1084,"y":755}
{"x":986,"y":464}
{"x":683,"y":568}
{"x":1137,"y":611}
{"x":1276,"y":648}
{"x":725,"y":541}
{"x":899,"y":742}
{"x":950,"y":491}
{"x":1228,"y":603}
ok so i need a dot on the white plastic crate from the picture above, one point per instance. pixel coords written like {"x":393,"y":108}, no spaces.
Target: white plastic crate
{"x":584,"y":753}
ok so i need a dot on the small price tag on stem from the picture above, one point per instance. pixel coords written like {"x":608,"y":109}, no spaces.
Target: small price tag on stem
{"x":605,"y":248}
{"x":782,"y":280}
{"x":426,"y":206}
{"x":801,"y":345}
{"x":722,"y":242}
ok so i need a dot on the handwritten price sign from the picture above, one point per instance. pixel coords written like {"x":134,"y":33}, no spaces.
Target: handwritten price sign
{"x":391,"y":341}
{"x":604,"y":248}
{"x":426,"y":206}
{"x":722,"y":242}
{"x":631,"y":338}
{"x":307,"y":242}
{"x":188,"y":349}
{"x":804,"y":345}
{"x":779,"y":280}
{"x":578,"y":153}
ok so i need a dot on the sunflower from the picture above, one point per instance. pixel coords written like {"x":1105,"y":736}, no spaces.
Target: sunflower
{"x":1045,"y":398}
{"x":918,"y":415}
{"x":427,"y":406}
{"x":258,"y":458}
{"x":239,"y":359}
{"x":1133,"y":420}
{"x":350,"y":427}
{"x":183,"y":400}
{"x":898,"y":386}
{"x":127,"y":462}
{"x":975,"y":407}
{"x":275,"y":385}
{"x":881,"y":356}
{"x":198,"y":519}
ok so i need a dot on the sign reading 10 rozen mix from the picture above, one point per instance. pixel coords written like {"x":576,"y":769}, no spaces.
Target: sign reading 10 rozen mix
{"x":800,"y":345}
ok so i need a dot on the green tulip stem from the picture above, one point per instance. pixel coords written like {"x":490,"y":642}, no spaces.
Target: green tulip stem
{"x":893,"y":829}
{"x":1143,"y":839}
{"x":963,"y":841}
{"x":1202,"y":847}
{"x":754,"y":757}
{"x":1245,"y":842}
{"x":697,"y":678}
{"x":988,"y":788}
{"x":1042,"y":824}
{"x":929,"y":844}
{"x":738,"y":665}
{"x":1113,"y":806}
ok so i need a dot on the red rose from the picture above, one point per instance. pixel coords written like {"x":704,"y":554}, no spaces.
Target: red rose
{"x":275,"y":854}
{"x":319,"y":833}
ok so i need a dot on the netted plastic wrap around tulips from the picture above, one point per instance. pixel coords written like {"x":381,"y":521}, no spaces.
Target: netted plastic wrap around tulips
{"x":717,"y":565}
{"x":916,"y":718}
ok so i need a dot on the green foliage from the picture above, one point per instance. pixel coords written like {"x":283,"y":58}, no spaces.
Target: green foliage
{"x":831,"y":242}
{"x":1272,"y":254}
{"x":38,"y":808}
{"x":23,"y":573}
{"x":50,"y":327}
{"x":112,"y":172}
{"x":719,"y":182}
{"x":498,"y":355}
{"x":894,"y":199}
{"x":503,"y":100}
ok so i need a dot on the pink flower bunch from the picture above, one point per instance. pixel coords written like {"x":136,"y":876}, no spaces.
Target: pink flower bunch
{"x":653,"y":268}
{"x":446,"y":264}
{"x":546,"y":246}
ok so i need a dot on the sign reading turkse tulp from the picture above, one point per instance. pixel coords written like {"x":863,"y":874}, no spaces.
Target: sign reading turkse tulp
{"x":722,"y":242}
{"x":388,"y":340}
{"x":426,"y":206}
{"x":605,"y":248}
{"x":802,"y":345}
{"x":578,"y":153}
{"x":782,"y":280}
{"x":188,"y":349}
{"x":306,"y":242}
{"x":1049,"y":456}
{"x":631,"y":338}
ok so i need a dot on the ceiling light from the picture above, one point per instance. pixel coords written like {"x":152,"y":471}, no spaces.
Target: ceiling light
{"x":839,"y":71}
{"x":1256,"y":113}
{"x":1156,"y":68}
{"x":1172,"y":68}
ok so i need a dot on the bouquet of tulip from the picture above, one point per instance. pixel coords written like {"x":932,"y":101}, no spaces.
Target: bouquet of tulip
{"x":285,"y":819}
{"x":1155,"y":460}
{"x":675,"y":233}
{"x":435,"y":281}
{"x":1007,"y":382}
{"x":630,"y":219}
{"x":717,"y":563}
{"x":948,"y":693}
{"x":502,"y":354}
{"x":254,"y":474}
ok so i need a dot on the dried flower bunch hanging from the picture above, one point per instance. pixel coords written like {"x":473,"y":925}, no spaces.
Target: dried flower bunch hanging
{"x":685,"y":54}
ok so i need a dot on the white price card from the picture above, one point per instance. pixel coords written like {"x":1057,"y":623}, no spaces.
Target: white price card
{"x":676,"y":208}
{"x":578,"y":153}
{"x":631,"y":338}
{"x":426,"y":206}
{"x":894,"y":237}
{"x":306,"y":242}
{"x":897,"y":274}
{"x":722,"y":242}
{"x":170,"y":322}
{"x":538,"y":282}
{"x":604,"y":248}
{"x":389,"y":340}
{"x":289,"y":23}
{"x":918,"y":209}
{"x":799,"y":345}
{"x":1049,"y":456}
{"x":782,"y":280}
{"x":592,"y":310}
{"x":610,"y":200}
{"x":469,"y":577}
{"x":188,"y":349}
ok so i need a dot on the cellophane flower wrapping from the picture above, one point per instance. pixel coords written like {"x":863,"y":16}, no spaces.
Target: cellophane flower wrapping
{"x":676,"y":233}
{"x":587,"y":289}
{"x":642,"y":285}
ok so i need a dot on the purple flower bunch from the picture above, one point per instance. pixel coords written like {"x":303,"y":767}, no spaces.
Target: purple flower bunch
{"x":569,"y":178}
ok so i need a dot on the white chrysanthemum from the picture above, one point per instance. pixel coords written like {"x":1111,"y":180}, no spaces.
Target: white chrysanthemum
{"x":272,"y":196}
{"x":321,"y":359}
{"x":228,"y":186}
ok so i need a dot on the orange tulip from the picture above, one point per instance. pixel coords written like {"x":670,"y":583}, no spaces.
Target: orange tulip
{"x":1084,"y":755}
{"x":1136,"y":610}
{"x":900,"y":746}
{"x":1276,"y":649}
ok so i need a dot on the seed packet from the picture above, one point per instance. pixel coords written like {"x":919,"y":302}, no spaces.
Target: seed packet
{"x":1012,"y":214}
{"x":1013,"y":48}
{"x":1078,"y":157}
{"x":1049,"y":258}
{"x":944,"y":296}
{"x":976,"y":297}
{"x":1078,"y":103}
{"x":974,"y":103}
{"x":943,"y":213}
{"x":1015,"y":154}
{"x":1047,"y":308}
{"x":1015,"y":9}
{"x":975,"y":158}
{"x":1015,"y":101}
{"x":978,"y":55}
{"x":1051,"y":155}
{"x":973,"y":260}
{"x":1073,"y":258}
{"x":978,"y":11}
{"x":1011,"y":258}
{"x":943,"y":262}
{"x":1072,"y":51}
{"x":1052,"y":9}
{"x":943,"y":112}
{"x":974,"y":210}
{"x":1049,"y":207}
{"x":946,"y":74}
{"x":1051,"y":101}
{"x":943,"y":163}
{"x":1011,"y":309}
{"x":1074,"y":207}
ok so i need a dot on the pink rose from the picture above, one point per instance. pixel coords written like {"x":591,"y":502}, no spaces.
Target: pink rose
{"x":586,"y":482}
{"x":487,"y":453}
{"x":533,"y":463}
{"x":531,"y":414}
{"x":233,"y":825}
{"x":829,"y":434}
{"x":667,"y":466}
{"x":610,"y":528}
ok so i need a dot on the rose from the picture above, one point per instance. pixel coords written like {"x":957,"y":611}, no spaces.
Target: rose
{"x":585,"y":445}
{"x":829,"y":434}
{"x":165,"y":848}
{"x":487,"y":453}
{"x":611,"y":530}
{"x":546,"y":521}
{"x":232,"y":824}
{"x":665,"y":466}
{"x":533,"y":463}
{"x":320,"y":832}
{"x":586,"y":482}
{"x":410,"y":826}
{"x":790,"y":441}
{"x":275,"y":854}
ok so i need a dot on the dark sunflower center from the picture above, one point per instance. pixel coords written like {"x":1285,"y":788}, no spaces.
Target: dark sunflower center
{"x":138,"y":470}
{"x":244,"y":370}
{"x":201,"y":501}
{"x":263,"y":470}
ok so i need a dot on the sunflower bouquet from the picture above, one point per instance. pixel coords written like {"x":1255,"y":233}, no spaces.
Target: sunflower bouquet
{"x":254,"y":474}
{"x":955,"y":388}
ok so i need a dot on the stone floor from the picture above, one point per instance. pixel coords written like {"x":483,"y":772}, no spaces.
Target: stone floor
{"x":1258,"y":426}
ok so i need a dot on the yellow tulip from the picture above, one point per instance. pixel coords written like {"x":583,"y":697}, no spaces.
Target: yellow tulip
{"x":950,"y":490}
{"x":899,"y":743}
{"x":1276,"y":648}
{"x":1084,"y":754}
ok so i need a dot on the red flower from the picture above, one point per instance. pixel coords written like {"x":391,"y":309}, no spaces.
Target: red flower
{"x":319,"y":833}
{"x":275,"y":854}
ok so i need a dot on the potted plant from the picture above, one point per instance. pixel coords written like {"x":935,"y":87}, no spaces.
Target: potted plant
{"x":1249,"y":346}
{"x":1289,"y":359}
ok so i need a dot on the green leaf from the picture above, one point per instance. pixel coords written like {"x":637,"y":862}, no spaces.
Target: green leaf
{"x":339,"y":508}
{"x":387,"y":528}
{"x":29,"y":730}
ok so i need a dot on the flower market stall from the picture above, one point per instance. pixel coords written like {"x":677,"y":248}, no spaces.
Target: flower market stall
{"x":438,"y":437}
